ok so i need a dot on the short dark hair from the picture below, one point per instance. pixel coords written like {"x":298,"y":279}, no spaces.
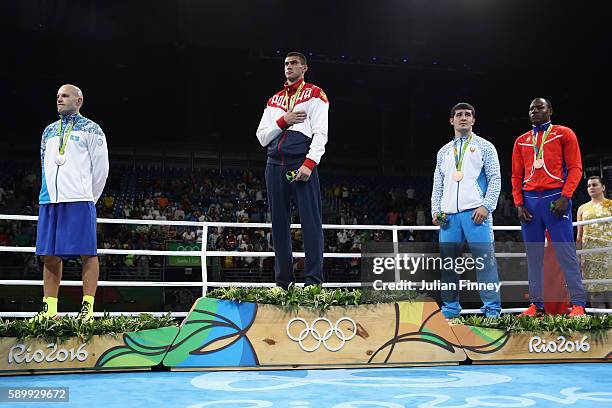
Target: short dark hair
{"x":545,"y":100}
{"x":301,"y":56}
{"x":597,"y":178}
{"x":462,"y":105}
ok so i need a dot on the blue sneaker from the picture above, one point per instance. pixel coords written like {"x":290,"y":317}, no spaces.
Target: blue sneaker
{"x":450,"y":316}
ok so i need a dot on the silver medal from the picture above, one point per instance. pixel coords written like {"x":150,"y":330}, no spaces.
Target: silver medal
{"x":60,"y":160}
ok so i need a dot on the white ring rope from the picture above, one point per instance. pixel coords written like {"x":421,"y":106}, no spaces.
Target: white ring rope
{"x":204,"y":284}
{"x":97,"y":314}
{"x":15,"y":217}
{"x":184,"y":314}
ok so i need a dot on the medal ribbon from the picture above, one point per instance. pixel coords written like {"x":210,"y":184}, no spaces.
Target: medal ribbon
{"x":459,"y":159}
{"x":290,"y":102}
{"x":62,"y":148}
{"x":538,"y":151}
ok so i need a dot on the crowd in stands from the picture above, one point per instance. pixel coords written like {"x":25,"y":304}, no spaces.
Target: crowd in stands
{"x":149,"y":193}
{"x":18,"y":195}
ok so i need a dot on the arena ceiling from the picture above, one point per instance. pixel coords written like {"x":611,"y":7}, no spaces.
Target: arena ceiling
{"x":199,"y":72}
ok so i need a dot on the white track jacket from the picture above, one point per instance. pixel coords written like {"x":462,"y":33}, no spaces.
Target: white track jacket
{"x":83,"y":176}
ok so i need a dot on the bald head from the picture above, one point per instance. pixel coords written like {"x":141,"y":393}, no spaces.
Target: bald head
{"x":69,"y":99}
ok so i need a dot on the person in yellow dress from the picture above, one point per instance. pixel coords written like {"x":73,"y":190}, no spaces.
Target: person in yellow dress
{"x":599,"y":235}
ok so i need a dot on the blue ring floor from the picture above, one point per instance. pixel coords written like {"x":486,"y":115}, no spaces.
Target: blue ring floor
{"x":535,"y":385}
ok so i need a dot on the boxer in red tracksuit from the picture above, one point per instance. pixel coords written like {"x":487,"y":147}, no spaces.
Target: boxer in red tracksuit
{"x":293,"y":128}
{"x":546,"y":169}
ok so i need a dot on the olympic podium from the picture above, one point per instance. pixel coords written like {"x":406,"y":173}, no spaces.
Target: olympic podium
{"x":240,"y":335}
{"x":139,"y":350}
{"x":222,"y":334}
{"x":232,"y":335}
{"x":493,"y":346}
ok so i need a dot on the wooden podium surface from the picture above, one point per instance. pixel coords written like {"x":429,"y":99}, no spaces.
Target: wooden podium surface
{"x":219,"y":333}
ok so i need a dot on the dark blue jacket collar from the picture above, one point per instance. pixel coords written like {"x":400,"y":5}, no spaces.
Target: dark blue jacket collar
{"x":542,"y":127}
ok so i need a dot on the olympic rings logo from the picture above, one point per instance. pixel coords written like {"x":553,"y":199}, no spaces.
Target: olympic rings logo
{"x":183,"y":247}
{"x":316,"y":334}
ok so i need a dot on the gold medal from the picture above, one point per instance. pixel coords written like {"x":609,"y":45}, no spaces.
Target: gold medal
{"x":458,"y":176}
{"x":538,"y":163}
{"x":291,"y":101}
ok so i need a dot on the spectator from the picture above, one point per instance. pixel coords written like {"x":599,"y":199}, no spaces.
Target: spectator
{"x":109,"y":202}
{"x":189,"y":236}
{"x":420,"y":216}
{"x":392,"y":217}
{"x":142,"y":266}
{"x":163,"y":202}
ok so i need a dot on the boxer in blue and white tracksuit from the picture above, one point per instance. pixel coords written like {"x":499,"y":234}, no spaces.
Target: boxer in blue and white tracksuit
{"x":74,"y":159}
{"x":293,"y":128}
{"x":467,"y":194}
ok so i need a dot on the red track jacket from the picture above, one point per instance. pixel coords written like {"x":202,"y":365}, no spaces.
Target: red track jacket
{"x":562,"y":163}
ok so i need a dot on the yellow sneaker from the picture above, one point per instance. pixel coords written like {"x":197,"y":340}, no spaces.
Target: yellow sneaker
{"x":44,"y":314}
{"x":86,"y":313}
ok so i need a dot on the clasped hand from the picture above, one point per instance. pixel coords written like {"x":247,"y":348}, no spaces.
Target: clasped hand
{"x":292,"y":118}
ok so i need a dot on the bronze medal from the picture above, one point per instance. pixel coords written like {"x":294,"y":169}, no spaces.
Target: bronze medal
{"x":538,"y":163}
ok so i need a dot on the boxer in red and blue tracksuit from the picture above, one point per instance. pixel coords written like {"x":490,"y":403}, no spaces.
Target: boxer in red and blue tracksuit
{"x":293,"y":128}
{"x":545,"y":174}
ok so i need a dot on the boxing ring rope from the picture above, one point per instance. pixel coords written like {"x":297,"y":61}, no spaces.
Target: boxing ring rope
{"x":204,"y":253}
